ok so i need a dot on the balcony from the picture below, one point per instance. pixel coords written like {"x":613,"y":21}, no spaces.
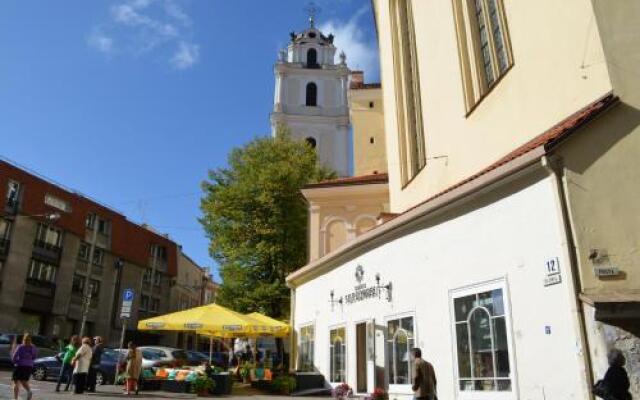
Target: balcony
{"x":46,"y":251}
{"x":96,"y":270}
{"x":4,"y":247}
{"x":38,"y":296}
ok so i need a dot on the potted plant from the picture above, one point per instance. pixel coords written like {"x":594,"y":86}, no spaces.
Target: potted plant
{"x":378,"y":394}
{"x":202,"y":386}
{"x":245,"y":372}
{"x":284,"y":384}
{"x":342,"y":391}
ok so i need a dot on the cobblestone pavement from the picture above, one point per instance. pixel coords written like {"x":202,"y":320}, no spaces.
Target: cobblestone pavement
{"x":45,"y":391}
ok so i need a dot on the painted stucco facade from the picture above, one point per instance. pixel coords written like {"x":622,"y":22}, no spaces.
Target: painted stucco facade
{"x":556,"y":70}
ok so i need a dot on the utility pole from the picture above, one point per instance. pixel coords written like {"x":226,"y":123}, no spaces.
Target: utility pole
{"x":86,"y":296}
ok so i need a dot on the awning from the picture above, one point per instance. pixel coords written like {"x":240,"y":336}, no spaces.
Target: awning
{"x":613,"y":305}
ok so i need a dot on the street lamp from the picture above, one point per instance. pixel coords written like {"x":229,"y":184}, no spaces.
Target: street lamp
{"x":87,"y":290}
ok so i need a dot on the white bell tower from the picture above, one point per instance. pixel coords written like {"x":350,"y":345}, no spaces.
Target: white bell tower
{"x":311,"y":96}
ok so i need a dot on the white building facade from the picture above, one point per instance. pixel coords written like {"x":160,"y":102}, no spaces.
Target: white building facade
{"x":311,"y":97}
{"x":481,"y":286}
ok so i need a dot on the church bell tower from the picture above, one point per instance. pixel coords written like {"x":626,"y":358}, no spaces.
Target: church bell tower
{"x":311,"y":96}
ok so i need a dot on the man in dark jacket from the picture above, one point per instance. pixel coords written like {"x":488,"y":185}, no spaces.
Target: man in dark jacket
{"x":95,"y":363}
{"x":424,"y":377}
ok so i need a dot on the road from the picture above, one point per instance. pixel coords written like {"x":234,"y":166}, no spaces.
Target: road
{"x":46,"y":391}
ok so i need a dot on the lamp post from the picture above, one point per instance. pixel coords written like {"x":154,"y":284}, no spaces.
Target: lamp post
{"x":87,"y":290}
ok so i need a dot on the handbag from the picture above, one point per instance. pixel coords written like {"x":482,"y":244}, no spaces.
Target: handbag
{"x":601,"y":390}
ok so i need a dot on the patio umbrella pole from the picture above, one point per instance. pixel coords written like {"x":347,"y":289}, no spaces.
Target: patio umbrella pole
{"x":210,"y":349}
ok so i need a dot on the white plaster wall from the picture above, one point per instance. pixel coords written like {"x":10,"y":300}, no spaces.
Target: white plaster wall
{"x":509,"y":239}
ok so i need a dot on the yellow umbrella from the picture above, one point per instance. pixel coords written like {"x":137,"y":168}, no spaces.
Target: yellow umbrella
{"x":211,"y":318}
{"x":269,"y":326}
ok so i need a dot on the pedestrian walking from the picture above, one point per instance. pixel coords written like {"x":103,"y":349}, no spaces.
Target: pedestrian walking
{"x":424,"y":377}
{"x":615,"y":384}
{"x":66,"y":370}
{"x":82,"y":362}
{"x":22,"y":359}
{"x":133,"y":369}
{"x":96,"y":358}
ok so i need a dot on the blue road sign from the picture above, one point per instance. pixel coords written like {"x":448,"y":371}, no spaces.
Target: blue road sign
{"x":127,"y":295}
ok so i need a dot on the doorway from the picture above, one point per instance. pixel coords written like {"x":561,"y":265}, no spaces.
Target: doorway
{"x":361,"y":357}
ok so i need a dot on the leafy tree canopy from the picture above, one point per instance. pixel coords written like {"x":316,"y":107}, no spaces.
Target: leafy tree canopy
{"x":256,"y":220}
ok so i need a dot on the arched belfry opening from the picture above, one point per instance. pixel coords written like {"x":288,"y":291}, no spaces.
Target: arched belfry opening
{"x":312,"y":94}
{"x":312,"y":58}
{"x":311,"y":141}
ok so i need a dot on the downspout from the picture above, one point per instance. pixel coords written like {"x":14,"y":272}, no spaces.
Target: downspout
{"x":555,"y":169}
{"x":293,"y":343}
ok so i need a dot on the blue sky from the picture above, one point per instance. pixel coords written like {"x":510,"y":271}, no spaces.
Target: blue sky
{"x":132,"y":101}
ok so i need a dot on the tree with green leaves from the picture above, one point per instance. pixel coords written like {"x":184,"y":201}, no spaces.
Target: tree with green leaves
{"x":256,"y":220}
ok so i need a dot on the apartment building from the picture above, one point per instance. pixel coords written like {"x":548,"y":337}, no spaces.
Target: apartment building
{"x":512,"y":138}
{"x":46,"y":235}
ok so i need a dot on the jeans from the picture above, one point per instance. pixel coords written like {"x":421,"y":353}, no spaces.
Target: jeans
{"x":65,"y":372}
{"x":91,"y":378}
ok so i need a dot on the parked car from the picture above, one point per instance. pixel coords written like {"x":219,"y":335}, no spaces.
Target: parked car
{"x":45,"y":346}
{"x":218,"y":359}
{"x":159,"y":356}
{"x":49,"y":367}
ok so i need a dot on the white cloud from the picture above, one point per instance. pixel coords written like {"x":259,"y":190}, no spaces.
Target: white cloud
{"x":362,"y":53}
{"x":186,"y":55}
{"x":141,"y":26}
{"x":100,"y":41}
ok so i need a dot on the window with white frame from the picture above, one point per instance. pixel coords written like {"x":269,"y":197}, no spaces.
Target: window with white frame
{"x":400,"y":341}
{"x":337,"y":355}
{"x":155,"y":305}
{"x":41,"y":271}
{"x":13,"y":194}
{"x":483,"y":46}
{"x":83,"y":251}
{"x":90,"y":221}
{"x":144,"y":302}
{"x":146,"y":278}
{"x":482,"y":343}
{"x":48,"y":235}
{"x":306,"y":350}
{"x":98,"y":256}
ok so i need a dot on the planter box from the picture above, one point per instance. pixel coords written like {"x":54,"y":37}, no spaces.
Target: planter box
{"x":224,"y":383}
{"x":176,"y":386}
{"x":308,"y":380}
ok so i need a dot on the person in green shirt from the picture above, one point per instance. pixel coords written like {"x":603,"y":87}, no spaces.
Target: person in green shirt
{"x":67,"y":368}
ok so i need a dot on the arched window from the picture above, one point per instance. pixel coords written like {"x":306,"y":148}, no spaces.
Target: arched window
{"x":311,"y":142}
{"x":312,"y":58}
{"x":337,"y":355}
{"x":312,"y":94}
{"x":336,"y":235}
{"x":399,"y":344}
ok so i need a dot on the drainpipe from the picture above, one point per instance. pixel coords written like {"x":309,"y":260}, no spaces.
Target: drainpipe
{"x":557,"y":171}
{"x":293,"y":348}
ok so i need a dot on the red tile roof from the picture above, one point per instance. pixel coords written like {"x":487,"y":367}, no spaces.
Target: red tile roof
{"x":351,"y":180}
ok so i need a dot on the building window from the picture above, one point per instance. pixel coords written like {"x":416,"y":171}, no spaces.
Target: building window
{"x":400,"y":341}
{"x":146,"y":278}
{"x":371,"y":104}
{"x":5,"y":229}
{"x":312,"y":94}
{"x":41,"y":271}
{"x":482,"y":341}
{"x":77,"y":285}
{"x":407,"y":86}
{"x":157,"y":278}
{"x":312,"y":58}
{"x":104,"y":226}
{"x":144,"y":302}
{"x":13,"y":194}
{"x":48,"y":236}
{"x":337,"y":355}
{"x":307,"y":344}
{"x":311,"y":142}
{"x":155,"y":305}
{"x":483,"y":46}
{"x":159,"y":257}
{"x":98,"y":256}
{"x":90,"y":221}
{"x":83,"y":251}
{"x":372,"y":140}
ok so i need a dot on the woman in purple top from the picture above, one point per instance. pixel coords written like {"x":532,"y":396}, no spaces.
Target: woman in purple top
{"x":23,"y":358}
